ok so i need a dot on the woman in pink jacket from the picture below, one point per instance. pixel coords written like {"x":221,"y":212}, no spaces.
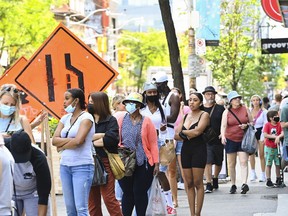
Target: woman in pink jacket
{"x":138,"y":133}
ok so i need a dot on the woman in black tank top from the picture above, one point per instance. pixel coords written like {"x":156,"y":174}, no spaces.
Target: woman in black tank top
{"x":194,"y":153}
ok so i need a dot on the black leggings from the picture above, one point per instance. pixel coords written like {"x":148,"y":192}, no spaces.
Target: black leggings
{"x":135,"y":190}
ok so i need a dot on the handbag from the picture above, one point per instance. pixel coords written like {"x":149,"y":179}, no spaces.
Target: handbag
{"x":100,"y":175}
{"x":167,"y":153}
{"x":209,"y":134}
{"x":128,"y":158}
{"x":249,"y":142}
{"x":116,"y":164}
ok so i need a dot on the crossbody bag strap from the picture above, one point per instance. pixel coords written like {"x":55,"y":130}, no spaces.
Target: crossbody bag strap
{"x":8,"y":125}
{"x":235,"y":116}
{"x":72,"y":125}
{"x":212,"y":110}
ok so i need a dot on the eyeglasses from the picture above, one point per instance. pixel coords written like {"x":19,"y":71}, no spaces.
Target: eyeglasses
{"x":10,"y":88}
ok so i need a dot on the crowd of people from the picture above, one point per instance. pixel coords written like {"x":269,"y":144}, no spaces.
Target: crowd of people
{"x":144,"y":123}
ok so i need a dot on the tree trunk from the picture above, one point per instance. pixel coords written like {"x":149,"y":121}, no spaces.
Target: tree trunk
{"x":174,"y":53}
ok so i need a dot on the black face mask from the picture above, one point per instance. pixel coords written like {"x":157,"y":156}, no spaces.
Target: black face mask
{"x":276,"y":118}
{"x":152,"y":98}
{"x":90,"y":108}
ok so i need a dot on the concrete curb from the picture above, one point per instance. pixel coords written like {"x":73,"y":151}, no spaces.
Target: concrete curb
{"x":282,"y":207}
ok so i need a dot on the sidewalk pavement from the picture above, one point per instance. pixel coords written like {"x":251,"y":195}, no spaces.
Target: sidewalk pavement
{"x":259,"y":200}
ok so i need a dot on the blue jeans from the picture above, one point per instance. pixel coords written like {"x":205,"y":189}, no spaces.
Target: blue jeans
{"x":76,"y":184}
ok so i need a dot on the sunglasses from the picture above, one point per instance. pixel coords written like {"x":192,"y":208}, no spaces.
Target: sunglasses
{"x":10,"y":88}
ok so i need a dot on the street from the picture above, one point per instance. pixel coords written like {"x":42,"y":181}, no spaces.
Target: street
{"x":259,"y":200}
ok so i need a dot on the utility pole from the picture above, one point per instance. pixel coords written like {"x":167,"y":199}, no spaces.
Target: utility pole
{"x":193,"y":59}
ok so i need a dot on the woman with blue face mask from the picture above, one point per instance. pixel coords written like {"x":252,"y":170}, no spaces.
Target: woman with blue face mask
{"x":10,"y":118}
{"x":73,"y":138}
{"x":10,"y":121}
{"x":138,"y":133}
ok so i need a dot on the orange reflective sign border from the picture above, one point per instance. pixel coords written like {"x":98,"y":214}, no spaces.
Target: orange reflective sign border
{"x":30,"y":107}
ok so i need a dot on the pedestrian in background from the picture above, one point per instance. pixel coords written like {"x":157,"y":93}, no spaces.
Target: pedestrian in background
{"x":106,"y":137}
{"x":172,"y":169}
{"x":154,"y":111}
{"x":32,"y":180}
{"x":276,"y":105}
{"x":118,"y":110}
{"x":232,"y":133}
{"x":6,"y":179}
{"x":259,"y":116}
{"x":10,"y":118}
{"x":117,"y":105}
{"x":215,"y":149}
{"x":73,"y":138}
{"x":138,"y":133}
{"x":273,"y":134}
{"x":194,"y":151}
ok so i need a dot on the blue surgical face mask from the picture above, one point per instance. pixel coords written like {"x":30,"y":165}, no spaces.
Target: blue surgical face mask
{"x":130,"y":107}
{"x":70,"y":108}
{"x":7,"y":110}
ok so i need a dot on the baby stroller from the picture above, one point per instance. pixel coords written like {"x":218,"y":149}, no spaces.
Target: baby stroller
{"x":283,"y":163}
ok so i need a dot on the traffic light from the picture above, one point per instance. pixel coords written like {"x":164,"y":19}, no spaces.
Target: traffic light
{"x":102,"y":44}
{"x":122,"y":56}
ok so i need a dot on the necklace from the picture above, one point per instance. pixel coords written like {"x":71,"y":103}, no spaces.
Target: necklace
{"x":135,"y":119}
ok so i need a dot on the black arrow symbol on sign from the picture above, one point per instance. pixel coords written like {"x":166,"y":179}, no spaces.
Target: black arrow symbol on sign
{"x":78,"y":73}
{"x":23,"y":97}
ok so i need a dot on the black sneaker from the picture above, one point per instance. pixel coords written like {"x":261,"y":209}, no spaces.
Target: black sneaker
{"x":233,"y":189}
{"x":269,"y":183}
{"x":215,"y":183}
{"x":278,"y":182}
{"x":244,"y":189}
{"x":209,"y":188}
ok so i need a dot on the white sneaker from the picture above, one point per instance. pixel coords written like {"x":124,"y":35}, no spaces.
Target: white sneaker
{"x":253,"y":176}
{"x":262,"y":178}
{"x":180,"y":186}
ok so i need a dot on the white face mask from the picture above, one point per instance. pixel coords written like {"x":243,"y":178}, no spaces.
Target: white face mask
{"x":7,"y":110}
{"x":131,"y":107}
{"x":70,"y":108}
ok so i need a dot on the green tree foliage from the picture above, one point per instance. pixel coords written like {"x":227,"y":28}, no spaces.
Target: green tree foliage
{"x":237,"y":63}
{"x":142,"y":50}
{"x":24,"y":26}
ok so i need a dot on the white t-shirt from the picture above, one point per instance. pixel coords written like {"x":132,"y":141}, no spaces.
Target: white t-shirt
{"x":82,"y":154}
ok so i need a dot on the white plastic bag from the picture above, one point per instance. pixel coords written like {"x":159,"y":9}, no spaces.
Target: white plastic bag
{"x":156,"y":204}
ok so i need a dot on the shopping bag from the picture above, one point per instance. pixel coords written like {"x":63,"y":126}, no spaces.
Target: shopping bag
{"x":249,"y":142}
{"x":167,"y":153}
{"x":156,"y":204}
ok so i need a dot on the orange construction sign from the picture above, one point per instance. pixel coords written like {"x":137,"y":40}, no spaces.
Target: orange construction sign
{"x":63,"y":61}
{"x":30,"y":107}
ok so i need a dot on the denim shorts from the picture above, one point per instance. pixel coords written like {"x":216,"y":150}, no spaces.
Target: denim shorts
{"x":232,"y":147}
{"x":162,"y":168}
{"x":178,"y":147}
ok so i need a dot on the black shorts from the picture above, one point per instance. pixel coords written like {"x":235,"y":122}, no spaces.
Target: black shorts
{"x":258,"y":133}
{"x":215,"y":154}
